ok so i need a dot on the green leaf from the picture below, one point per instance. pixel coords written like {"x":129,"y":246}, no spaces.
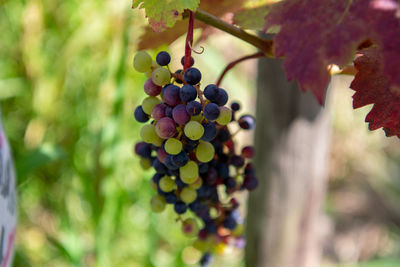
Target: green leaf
{"x":163,"y":14}
{"x":252,"y":18}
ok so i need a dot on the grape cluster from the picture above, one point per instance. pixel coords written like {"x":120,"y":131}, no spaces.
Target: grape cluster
{"x":191,"y":148}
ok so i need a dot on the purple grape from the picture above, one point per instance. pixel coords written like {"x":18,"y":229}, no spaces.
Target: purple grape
{"x":222,"y":98}
{"x":210,"y":131}
{"x":165,"y":128}
{"x":163,"y":58}
{"x":211,"y":111}
{"x":247,"y":122}
{"x":180,"y":207}
{"x":235,"y":106}
{"x":206,"y":260}
{"x":181,"y":159}
{"x":168,"y":112}
{"x":180,"y":115}
{"x":159,"y":167}
{"x":191,"y":61}
{"x":171,"y":95}
{"x":143,"y":149}
{"x":159,"y":111}
{"x":140,"y":115}
{"x":250,"y":182}
{"x":194,"y":108}
{"x":192,"y":76}
{"x":151,"y":88}
{"x":178,"y":80}
{"x":248,"y":152}
{"x":211,"y":92}
{"x":169,"y":163}
{"x":230,"y":183}
{"x":237,"y":161}
{"x":230,"y":223}
{"x":187,"y":93}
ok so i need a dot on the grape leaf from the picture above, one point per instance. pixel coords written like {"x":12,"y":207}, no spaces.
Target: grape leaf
{"x":372,"y":86}
{"x":252,"y":18}
{"x":317,"y":33}
{"x":163,"y":14}
{"x":151,"y":39}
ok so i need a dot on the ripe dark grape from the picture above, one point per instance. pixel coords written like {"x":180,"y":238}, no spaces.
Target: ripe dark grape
{"x":211,"y":111}
{"x":171,"y":95}
{"x":177,"y":79}
{"x":151,"y":88}
{"x":211,"y":92}
{"x":163,"y":58}
{"x":247,"y":122}
{"x":159,"y":111}
{"x":192,"y":76}
{"x":194,"y":108}
{"x":180,"y":207}
{"x":237,"y":161}
{"x":210,"y":131}
{"x":140,"y":115}
{"x":165,"y":128}
{"x":181,"y":159}
{"x":180,"y":115}
{"x":235,"y":106}
{"x":250,"y":182}
{"x":188,"y":93}
{"x":222,"y":97}
{"x":142,"y":149}
{"x":191,"y":61}
{"x":248,"y":152}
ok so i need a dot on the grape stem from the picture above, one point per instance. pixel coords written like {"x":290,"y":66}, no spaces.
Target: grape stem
{"x":262,"y":44}
{"x":189,"y":42}
{"x":234,"y":63}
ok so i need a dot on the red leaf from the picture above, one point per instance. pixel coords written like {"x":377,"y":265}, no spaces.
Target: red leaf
{"x":372,"y":86}
{"x":151,"y":39}
{"x":317,"y":33}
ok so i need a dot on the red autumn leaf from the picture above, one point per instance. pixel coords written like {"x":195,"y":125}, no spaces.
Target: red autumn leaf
{"x":151,"y":39}
{"x":317,"y":33}
{"x":372,"y":86}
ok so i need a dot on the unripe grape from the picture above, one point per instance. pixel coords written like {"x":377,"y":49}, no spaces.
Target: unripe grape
{"x":188,"y":195}
{"x":161,"y":76}
{"x":189,"y":172}
{"x":173,"y":146}
{"x":149,"y":103}
{"x":225,"y":116}
{"x":142,"y":61}
{"x":167,"y":184}
{"x":205,"y":151}
{"x":190,"y":227}
{"x":157,"y":203}
{"x":194,"y":130}
{"x":148,"y":133}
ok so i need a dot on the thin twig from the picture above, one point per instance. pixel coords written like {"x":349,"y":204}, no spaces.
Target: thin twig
{"x":233,"y":63}
{"x":189,"y":42}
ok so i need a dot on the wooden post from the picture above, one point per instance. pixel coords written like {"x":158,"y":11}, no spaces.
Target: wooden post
{"x":292,"y":143}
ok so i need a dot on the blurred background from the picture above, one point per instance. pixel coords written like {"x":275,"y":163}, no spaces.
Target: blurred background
{"x":68,"y":91}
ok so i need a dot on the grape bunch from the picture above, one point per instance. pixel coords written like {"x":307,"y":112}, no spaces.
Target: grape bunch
{"x":191,"y":148}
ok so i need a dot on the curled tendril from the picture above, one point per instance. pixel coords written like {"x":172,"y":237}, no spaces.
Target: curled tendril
{"x":197,"y":52}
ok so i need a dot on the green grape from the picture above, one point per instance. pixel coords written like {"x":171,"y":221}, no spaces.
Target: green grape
{"x":193,"y":130}
{"x":167,"y":184}
{"x":196,"y":185}
{"x":225,"y":116}
{"x":189,"y":173}
{"x":197,"y":118}
{"x":190,"y":227}
{"x":145,"y":163}
{"x":205,"y":151}
{"x":161,"y":76}
{"x":148,"y":133}
{"x":157,"y":141}
{"x":157,"y":203}
{"x":203,"y":245}
{"x":173,"y":146}
{"x":188,"y":195}
{"x":142,"y":61}
{"x":149,"y":103}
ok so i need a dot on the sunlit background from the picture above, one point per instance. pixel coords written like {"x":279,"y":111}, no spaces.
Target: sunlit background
{"x":68,"y":91}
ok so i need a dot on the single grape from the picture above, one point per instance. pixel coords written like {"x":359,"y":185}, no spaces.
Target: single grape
{"x":222,"y":98}
{"x":205,"y":151}
{"x":151,"y":88}
{"x":191,"y":61}
{"x":189,"y":172}
{"x":196,"y":185}
{"x":225,"y":116}
{"x":142,"y":61}
{"x":248,"y":152}
{"x":171,"y":95}
{"x":167,"y":184}
{"x":211,"y":92}
{"x":247,"y":122}
{"x":149,"y":103}
{"x":193,"y":130}
{"x":237,"y":161}
{"x":180,"y":207}
{"x":165,"y":128}
{"x":180,"y":115}
{"x":177,"y":80}
{"x":194,"y":108}
{"x":159,"y":111}
{"x":206,"y":260}
{"x":159,"y":167}
{"x":188,"y":195}
{"x":230,"y":223}
{"x":192,"y":76}
{"x":140,"y":115}
{"x":161,"y":76}
{"x":168,"y":112}
{"x":148,"y":133}
{"x":145,"y":163}
{"x":210,"y":131}
{"x":188,"y":93}
{"x":171,"y":198}
{"x":250,"y":182}
{"x":211,"y":111}
{"x":163,"y":58}
{"x":190,"y":227}
{"x":181,"y":159}
{"x":230,"y":183}
{"x":235,"y":106}
{"x":157,"y":203}
{"x":173,"y":146}
{"x":142,"y":149}
{"x":198,"y":118}
{"x":161,"y":154}
{"x":169,"y":162}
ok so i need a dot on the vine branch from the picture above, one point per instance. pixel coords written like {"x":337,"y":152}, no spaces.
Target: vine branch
{"x":189,"y":42}
{"x":234,"y":63}
{"x":262,"y":44}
